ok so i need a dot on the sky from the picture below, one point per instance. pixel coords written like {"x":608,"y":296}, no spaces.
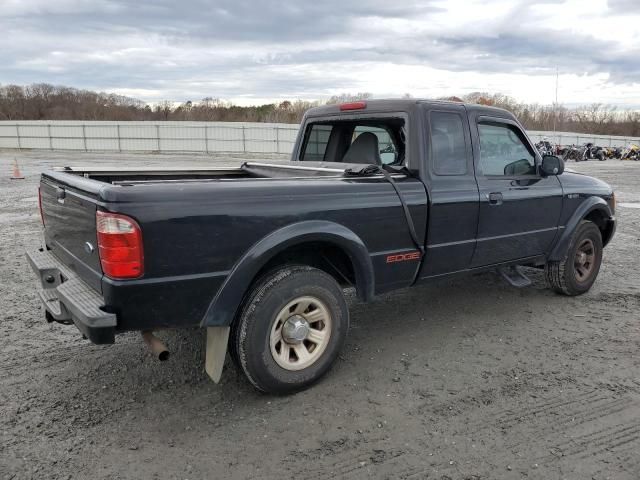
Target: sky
{"x":257,"y":51}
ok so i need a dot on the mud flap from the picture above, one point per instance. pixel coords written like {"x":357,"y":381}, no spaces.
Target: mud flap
{"x":217,"y":338}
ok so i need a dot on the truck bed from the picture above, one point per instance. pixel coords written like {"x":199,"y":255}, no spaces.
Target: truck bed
{"x":197,"y":224}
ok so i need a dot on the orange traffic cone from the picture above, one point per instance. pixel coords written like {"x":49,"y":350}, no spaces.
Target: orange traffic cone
{"x":16,"y":171}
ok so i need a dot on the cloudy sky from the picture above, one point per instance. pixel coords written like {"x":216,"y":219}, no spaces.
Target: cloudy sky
{"x":250,"y":51}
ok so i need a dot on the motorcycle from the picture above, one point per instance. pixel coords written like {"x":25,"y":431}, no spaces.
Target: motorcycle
{"x":571,"y":152}
{"x":545,"y":148}
{"x":593,"y":152}
{"x":588,"y":151}
{"x":630,"y":152}
{"x":611,"y":152}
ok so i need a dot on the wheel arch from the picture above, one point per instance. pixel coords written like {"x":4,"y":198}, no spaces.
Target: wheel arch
{"x":594,"y":209}
{"x":285,"y":245}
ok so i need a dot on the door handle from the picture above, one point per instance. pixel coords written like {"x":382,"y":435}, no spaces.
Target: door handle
{"x":495,"y":198}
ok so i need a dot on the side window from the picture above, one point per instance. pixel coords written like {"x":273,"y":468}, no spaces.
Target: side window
{"x":448,"y":149}
{"x":317,"y":143}
{"x":388,"y":152}
{"x":503,"y":151}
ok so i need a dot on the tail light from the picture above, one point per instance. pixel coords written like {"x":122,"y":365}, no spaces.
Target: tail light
{"x":40,"y":205}
{"x":353,"y":106}
{"x":119,"y":245}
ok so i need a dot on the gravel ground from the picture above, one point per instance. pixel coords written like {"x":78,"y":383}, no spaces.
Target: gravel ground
{"x":465,"y":379}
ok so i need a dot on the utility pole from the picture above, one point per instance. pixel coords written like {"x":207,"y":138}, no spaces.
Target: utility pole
{"x":555,"y":104}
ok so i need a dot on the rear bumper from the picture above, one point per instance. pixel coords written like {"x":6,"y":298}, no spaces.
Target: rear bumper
{"x":67,"y":298}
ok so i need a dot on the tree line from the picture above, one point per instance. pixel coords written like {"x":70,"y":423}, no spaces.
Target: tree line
{"x":595,"y":118}
{"x":42,"y":101}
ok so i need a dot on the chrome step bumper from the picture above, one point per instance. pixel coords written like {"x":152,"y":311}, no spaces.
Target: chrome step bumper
{"x":67,"y":298}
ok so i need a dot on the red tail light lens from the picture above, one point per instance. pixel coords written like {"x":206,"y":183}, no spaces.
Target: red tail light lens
{"x":119,"y":245}
{"x":353,"y":106}
{"x":40,"y":205}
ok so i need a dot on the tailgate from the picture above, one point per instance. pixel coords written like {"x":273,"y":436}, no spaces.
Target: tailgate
{"x":70,"y":228}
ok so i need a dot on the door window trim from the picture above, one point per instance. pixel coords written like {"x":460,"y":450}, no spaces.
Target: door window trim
{"x":526,"y":141}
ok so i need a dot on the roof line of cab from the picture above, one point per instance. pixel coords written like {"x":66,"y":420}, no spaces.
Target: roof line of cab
{"x":395,"y":104}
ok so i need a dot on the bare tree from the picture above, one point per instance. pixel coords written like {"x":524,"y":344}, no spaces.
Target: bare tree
{"x":42,"y":101}
{"x":164,"y":108}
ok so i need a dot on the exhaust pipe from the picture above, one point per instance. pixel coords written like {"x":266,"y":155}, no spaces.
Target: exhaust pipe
{"x":156,"y":345}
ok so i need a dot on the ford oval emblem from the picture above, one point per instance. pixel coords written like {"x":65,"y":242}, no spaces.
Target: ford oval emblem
{"x":88,"y":248}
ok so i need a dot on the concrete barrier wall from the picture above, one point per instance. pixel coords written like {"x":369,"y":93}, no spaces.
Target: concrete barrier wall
{"x":569,"y":138}
{"x":205,"y":137}
{"x":202,"y":137}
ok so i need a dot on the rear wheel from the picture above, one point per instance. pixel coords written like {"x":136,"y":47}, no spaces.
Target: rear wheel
{"x":291,"y":329}
{"x":577,"y":272}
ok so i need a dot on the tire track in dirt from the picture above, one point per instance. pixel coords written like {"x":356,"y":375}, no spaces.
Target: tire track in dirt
{"x":622,"y":437}
{"x":620,"y":387}
{"x":582,"y":410}
{"x":575,"y":420}
{"x":39,"y":358}
{"x":348,"y":463}
{"x":509,"y":417}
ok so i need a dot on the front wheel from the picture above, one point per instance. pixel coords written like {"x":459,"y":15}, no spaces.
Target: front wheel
{"x":291,"y":329}
{"x":577,"y":272}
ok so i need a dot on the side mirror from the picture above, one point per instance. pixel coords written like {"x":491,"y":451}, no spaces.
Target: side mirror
{"x":551,"y":165}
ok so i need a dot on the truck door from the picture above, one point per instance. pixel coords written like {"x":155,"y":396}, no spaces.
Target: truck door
{"x":519,"y":209}
{"x":453,"y":192}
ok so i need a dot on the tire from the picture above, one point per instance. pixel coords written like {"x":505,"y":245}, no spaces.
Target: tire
{"x":577,"y":272}
{"x":600,"y":156}
{"x":290,"y":301}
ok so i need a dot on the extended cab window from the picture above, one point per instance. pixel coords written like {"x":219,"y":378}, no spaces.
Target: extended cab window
{"x":317,"y":143}
{"x":503,"y":151}
{"x":367,"y":141}
{"x":448,"y":149}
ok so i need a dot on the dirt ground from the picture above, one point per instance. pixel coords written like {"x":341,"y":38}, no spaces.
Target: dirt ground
{"x":466,"y":379}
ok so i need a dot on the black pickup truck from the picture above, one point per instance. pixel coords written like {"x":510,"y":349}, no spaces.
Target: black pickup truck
{"x":378,"y":195}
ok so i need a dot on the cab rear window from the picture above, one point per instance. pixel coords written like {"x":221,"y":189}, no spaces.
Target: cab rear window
{"x":380,"y":141}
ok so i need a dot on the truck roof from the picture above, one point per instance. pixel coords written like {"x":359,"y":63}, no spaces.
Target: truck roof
{"x":405,"y":104}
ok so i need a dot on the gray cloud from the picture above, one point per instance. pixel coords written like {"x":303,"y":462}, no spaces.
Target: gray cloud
{"x":540,"y":51}
{"x":266,"y":48}
{"x":237,"y":20}
{"x":624,"y":7}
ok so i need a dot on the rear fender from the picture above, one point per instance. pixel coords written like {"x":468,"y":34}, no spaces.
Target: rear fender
{"x":589,"y":205}
{"x":223,"y":308}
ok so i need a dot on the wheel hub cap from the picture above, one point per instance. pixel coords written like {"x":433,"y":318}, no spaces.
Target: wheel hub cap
{"x":295,"y":329}
{"x":584,"y":260}
{"x":300,"y":333}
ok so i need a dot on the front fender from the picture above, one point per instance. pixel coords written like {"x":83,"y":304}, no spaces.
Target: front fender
{"x":223,"y":308}
{"x":585,"y":208}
